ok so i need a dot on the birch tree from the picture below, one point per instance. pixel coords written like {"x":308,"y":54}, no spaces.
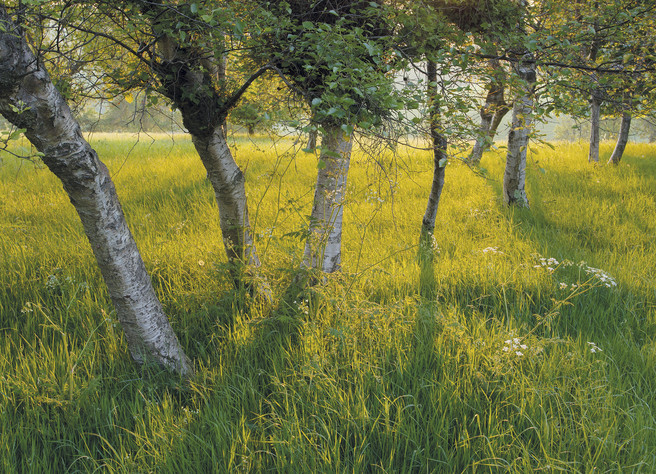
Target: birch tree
{"x":514,"y":177}
{"x":29,"y":100}
{"x":332,"y":54}
{"x":179,"y":51}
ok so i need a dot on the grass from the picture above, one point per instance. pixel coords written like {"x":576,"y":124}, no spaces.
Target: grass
{"x":399,"y":364}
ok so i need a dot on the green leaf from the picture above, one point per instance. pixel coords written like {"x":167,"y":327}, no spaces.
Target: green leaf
{"x":321,"y":164}
{"x":15,"y":135}
{"x":194,"y":8}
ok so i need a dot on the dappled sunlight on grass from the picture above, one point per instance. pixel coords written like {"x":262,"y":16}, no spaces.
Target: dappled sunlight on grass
{"x":525,"y":342}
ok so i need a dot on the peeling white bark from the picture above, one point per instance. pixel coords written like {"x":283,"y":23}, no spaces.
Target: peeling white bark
{"x":323,"y":249}
{"x":204,"y":107}
{"x":622,"y":139}
{"x":514,"y":178}
{"x":25,"y":84}
{"x":227,"y":180}
{"x":595,"y":120}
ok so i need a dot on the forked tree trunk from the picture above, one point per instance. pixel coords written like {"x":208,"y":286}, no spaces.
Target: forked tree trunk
{"x":439,"y":152}
{"x":203,"y":108}
{"x":323,"y":250}
{"x":622,"y":139}
{"x":514,"y":178}
{"x":25,"y":85}
{"x":492,"y":113}
{"x":595,"y":121}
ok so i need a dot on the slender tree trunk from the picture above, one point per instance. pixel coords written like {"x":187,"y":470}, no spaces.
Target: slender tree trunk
{"x":439,"y":152}
{"x":227,"y":180}
{"x":595,"y":120}
{"x":622,"y":139}
{"x":492,"y":113}
{"x":323,"y":249}
{"x":514,"y":178}
{"x":50,"y":126}
{"x":192,"y":89}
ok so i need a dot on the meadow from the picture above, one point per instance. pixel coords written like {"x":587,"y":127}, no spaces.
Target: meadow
{"x":522,"y":340}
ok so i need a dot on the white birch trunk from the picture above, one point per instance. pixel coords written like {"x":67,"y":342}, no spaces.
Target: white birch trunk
{"x":323,"y":249}
{"x":51,"y":128}
{"x":228,"y":182}
{"x":439,"y":152}
{"x":514,"y":178}
{"x":622,"y":139}
{"x":595,"y":120}
{"x":204,"y":109}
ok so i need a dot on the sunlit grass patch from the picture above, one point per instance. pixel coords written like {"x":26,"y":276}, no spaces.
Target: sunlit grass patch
{"x":526,"y":343}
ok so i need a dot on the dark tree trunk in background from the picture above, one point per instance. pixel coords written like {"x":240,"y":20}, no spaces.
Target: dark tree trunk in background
{"x":439,"y":152}
{"x":622,"y":139}
{"x":492,"y":113}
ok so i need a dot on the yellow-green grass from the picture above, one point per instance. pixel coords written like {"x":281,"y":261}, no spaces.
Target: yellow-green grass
{"x":396,"y":365}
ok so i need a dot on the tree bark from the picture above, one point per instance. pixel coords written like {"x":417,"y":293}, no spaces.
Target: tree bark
{"x":323,"y":249}
{"x":312,"y":140}
{"x":26,"y":86}
{"x":595,"y":120}
{"x":204,"y":110}
{"x":492,"y":113}
{"x":439,"y":152}
{"x":228,"y":182}
{"x":514,"y":178}
{"x":622,"y":139}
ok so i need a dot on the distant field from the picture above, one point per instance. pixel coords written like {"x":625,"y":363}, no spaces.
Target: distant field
{"x":527,"y":344}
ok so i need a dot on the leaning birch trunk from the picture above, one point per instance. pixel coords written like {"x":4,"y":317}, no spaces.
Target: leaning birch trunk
{"x":323,"y":250}
{"x":439,"y":153}
{"x":622,"y":139}
{"x":514,"y":178}
{"x":492,"y":113}
{"x":51,"y":128}
{"x":204,"y":109}
{"x":228,"y":182}
{"x":595,"y":119}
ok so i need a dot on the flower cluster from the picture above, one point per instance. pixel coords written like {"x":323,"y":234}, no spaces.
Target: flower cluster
{"x":303,"y":306}
{"x":514,"y":345}
{"x":549,"y":263}
{"x":594,"y":347}
{"x":600,"y":275}
{"x":492,"y":250}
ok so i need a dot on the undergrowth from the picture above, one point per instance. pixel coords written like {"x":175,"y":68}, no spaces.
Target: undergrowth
{"x":516,"y":340}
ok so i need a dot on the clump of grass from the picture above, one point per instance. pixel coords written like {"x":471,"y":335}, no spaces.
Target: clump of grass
{"x":525,"y":343}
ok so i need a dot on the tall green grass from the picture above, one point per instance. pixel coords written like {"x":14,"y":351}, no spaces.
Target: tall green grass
{"x":395,"y":365}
